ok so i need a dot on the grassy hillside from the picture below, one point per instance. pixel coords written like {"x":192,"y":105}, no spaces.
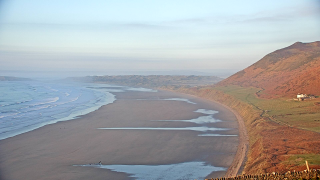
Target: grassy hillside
{"x":299,"y":114}
{"x":282,"y":73}
{"x":283,"y":133}
{"x":276,"y":144}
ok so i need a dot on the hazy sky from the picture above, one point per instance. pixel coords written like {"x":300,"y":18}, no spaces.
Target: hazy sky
{"x":150,"y":34}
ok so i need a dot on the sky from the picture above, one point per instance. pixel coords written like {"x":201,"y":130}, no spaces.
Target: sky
{"x":157,"y":35}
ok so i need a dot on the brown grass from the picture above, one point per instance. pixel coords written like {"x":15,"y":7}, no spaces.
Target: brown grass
{"x":272,"y":143}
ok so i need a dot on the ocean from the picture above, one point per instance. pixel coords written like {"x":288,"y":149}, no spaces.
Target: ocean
{"x":28,"y":105}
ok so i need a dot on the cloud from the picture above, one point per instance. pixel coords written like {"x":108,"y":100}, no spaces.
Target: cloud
{"x":276,"y":15}
{"x":84,"y":26}
{"x":281,"y":15}
{"x":270,"y":16}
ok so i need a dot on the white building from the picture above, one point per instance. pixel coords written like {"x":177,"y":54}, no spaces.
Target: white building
{"x":301,"y":96}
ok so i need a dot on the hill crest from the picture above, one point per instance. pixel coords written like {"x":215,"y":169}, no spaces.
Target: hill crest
{"x":284,"y":72}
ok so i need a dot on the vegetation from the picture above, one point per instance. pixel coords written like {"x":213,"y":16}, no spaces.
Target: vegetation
{"x":278,"y":129}
{"x":283,"y":73}
{"x":299,"y":114}
{"x":301,"y":175}
{"x":301,"y":158}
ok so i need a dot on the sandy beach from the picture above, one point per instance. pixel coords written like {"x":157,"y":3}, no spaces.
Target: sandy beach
{"x":52,"y":151}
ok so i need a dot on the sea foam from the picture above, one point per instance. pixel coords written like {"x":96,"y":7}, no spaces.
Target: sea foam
{"x":26,"y":106}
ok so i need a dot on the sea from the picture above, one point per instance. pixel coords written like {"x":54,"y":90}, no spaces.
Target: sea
{"x":28,"y":105}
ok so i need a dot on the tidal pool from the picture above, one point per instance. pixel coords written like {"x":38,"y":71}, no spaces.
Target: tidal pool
{"x":217,"y":135}
{"x":199,"y":120}
{"x":180,"y":99}
{"x":141,"y":89}
{"x":181,"y":171}
{"x":201,"y":129}
{"x":206,"y":111}
{"x":169,"y":99}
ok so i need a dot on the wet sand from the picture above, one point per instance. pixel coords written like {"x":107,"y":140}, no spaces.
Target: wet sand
{"x":51,"y":151}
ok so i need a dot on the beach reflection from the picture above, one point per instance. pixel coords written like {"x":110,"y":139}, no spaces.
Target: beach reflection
{"x":186,"y":170}
{"x":217,"y":135}
{"x":180,"y":99}
{"x":169,"y":99}
{"x":201,"y":129}
{"x":200,"y":120}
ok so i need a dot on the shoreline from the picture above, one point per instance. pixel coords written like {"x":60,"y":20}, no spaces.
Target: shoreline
{"x":53,"y":149}
{"x":59,"y":97}
{"x":242,"y":150}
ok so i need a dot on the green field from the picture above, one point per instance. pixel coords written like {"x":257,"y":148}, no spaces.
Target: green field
{"x":300,"y":114}
{"x":302,"y":158}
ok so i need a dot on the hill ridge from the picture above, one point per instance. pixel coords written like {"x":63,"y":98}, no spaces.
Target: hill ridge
{"x":284,"y":72}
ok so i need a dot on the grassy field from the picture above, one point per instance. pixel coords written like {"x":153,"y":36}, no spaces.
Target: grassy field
{"x":301,"y":158}
{"x":283,"y":133}
{"x":299,"y":114}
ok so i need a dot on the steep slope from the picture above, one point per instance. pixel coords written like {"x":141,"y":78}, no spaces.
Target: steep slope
{"x":285,"y":72}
